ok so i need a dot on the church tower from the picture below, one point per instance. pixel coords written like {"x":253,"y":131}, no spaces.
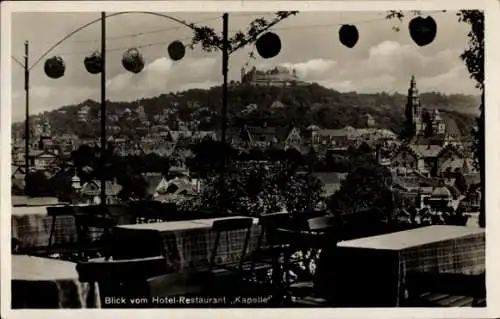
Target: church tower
{"x":413,"y":109}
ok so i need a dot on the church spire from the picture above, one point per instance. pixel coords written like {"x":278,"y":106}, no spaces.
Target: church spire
{"x":413,"y":110}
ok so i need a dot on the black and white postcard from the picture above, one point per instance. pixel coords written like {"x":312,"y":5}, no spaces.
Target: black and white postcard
{"x":326,"y":158}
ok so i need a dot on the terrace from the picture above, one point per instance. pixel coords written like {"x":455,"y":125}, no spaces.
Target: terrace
{"x":150,"y":253}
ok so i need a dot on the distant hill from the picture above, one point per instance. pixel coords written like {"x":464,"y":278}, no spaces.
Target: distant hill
{"x":298,"y":105}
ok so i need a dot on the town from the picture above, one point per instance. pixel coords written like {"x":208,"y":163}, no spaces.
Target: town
{"x":316,"y":171}
{"x":434,"y":164}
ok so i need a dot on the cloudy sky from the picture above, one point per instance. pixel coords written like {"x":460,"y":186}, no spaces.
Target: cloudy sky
{"x":383,"y":60}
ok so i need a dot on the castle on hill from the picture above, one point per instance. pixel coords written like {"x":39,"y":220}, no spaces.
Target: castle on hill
{"x":277,"y":76}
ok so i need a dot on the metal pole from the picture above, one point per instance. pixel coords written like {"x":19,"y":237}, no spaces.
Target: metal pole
{"x":225,"y":60}
{"x":103,"y":108}
{"x":26,"y":122}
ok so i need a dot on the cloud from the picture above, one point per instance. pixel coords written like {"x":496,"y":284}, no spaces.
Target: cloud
{"x":198,"y":85}
{"x":161,"y":76}
{"x":312,"y":69}
{"x":44,"y":98}
{"x":388,"y":65}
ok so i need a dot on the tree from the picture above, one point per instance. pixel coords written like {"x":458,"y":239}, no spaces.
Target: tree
{"x":207,"y":160}
{"x":369,"y":186}
{"x":260,"y":189}
{"x":473,"y":57}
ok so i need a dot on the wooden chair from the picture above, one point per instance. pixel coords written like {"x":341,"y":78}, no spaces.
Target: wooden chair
{"x":94,"y":225}
{"x":55,"y":212}
{"x":446,"y":290}
{"x":217,"y":279}
{"x":268,"y":249}
{"x":121,"y":278}
{"x":228,"y":225}
{"x":317,"y":233}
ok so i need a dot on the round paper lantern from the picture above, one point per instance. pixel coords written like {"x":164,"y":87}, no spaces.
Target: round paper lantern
{"x":54,"y":67}
{"x":268,"y":45}
{"x":348,"y":35}
{"x":176,"y":50}
{"x":423,"y":30}
{"x":93,"y":63}
{"x":133,"y":61}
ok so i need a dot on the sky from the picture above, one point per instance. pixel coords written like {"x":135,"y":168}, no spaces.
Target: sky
{"x":382,"y":60}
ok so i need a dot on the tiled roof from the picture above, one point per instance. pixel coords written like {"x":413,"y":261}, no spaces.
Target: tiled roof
{"x":426,"y":151}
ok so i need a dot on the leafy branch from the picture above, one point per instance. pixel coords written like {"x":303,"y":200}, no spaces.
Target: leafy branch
{"x":256,"y":28}
{"x":400,"y":15}
{"x":210,"y":41}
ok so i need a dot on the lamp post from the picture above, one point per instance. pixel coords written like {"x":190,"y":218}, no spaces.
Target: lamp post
{"x":27,"y":103}
{"x":103,"y":108}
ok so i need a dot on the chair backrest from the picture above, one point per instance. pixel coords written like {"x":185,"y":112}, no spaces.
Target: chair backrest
{"x":269,"y":223}
{"x":227,"y":225}
{"x":101,"y":270}
{"x":321,"y":224}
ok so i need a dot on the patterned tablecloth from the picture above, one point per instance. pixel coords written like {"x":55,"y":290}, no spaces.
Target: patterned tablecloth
{"x":49,"y":283}
{"x":31,"y":226}
{"x":186,"y":244}
{"x":373,"y":270}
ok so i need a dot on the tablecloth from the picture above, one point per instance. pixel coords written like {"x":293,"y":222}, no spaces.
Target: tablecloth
{"x":31,"y":226}
{"x":49,"y":283}
{"x":372,"y":271}
{"x":186,"y":244}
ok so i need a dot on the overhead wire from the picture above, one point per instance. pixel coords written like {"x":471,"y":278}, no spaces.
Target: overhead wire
{"x":164,"y":42}
{"x":131,"y":35}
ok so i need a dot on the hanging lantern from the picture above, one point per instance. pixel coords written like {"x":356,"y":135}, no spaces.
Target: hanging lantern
{"x":423,"y":30}
{"x":268,"y":45}
{"x":176,"y":50}
{"x":348,"y":35}
{"x":133,"y":61}
{"x":55,"y":67}
{"x":93,"y":63}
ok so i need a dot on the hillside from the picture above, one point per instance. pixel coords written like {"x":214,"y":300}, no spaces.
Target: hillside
{"x":300,"y":106}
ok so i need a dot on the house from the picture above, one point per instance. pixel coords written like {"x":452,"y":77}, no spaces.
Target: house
{"x":83,"y":113}
{"x":90,"y":192}
{"x":430,"y":159}
{"x":172,"y":186}
{"x":45,"y":160}
{"x":440,"y":198}
{"x":293,"y":138}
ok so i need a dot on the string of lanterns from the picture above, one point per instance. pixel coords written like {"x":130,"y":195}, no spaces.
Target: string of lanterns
{"x":422,"y":30}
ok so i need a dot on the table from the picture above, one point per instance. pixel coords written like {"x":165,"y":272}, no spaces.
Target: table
{"x":186,"y":244}
{"x":31,"y":226}
{"x":49,"y":283}
{"x":372,"y":271}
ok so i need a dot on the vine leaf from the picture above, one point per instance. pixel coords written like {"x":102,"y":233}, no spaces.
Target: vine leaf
{"x":210,"y":41}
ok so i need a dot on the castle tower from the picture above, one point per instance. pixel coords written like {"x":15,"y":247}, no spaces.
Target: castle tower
{"x":242,"y":75}
{"x":413,"y":109}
